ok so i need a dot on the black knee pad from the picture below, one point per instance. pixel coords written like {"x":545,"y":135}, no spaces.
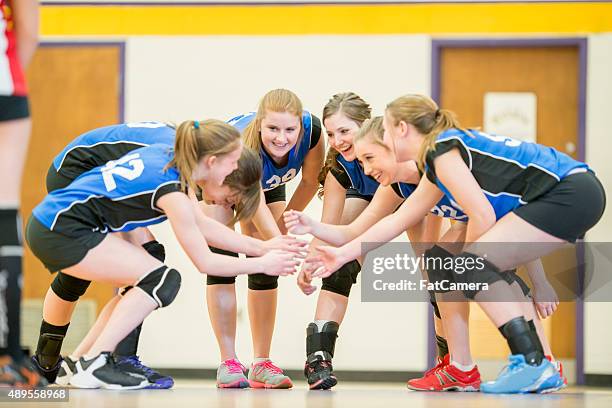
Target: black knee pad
{"x":343,"y":279}
{"x":436,"y":258}
{"x":473,"y":271}
{"x":156,"y":250}
{"x":221,"y":280}
{"x":511,"y":276}
{"x":162,"y":285}
{"x":261,"y":281}
{"x":321,"y":341}
{"x":68,"y":287}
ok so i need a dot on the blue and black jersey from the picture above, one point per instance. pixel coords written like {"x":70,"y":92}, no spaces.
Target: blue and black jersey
{"x":445,"y":208}
{"x":119,"y":196}
{"x":510,"y":172}
{"x":350,"y":174}
{"x":98,"y":146}
{"x":274,"y":175}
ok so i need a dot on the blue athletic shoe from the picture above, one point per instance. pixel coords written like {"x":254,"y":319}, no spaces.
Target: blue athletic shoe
{"x":157,"y":381}
{"x":521,"y":378}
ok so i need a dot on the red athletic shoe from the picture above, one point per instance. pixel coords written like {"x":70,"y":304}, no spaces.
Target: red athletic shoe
{"x":440,"y":362}
{"x":559,"y":366}
{"x":447,"y":378}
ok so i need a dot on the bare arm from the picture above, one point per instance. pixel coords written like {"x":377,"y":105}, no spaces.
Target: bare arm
{"x":309,"y":184}
{"x":412,"y":211}
{"x":334,"y":196}
{"x":264,"y":220}
{"x":385,"y":201}
{"x":183,"y":217}
{"x":545,"y":297}
{"x":457,"y":177}
{"x":25,"y":16}
{"x":223,"y":237}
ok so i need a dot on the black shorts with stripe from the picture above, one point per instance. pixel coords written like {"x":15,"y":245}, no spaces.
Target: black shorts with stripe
{"x":58,"y":251}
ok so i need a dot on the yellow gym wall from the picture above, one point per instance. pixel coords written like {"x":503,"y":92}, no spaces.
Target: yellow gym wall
{"x":187,"y":61}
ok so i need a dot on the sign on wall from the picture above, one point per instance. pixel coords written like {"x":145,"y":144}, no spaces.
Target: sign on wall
{"x":512,"y":114}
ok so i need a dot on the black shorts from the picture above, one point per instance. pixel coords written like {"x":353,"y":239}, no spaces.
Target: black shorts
{"x":55,"y":180}
{"x":57,"y":251}
{"x":13,"y":107}
{"x":352,"y":193}
{"x":276,"y":194}
{"x":569,"y":209}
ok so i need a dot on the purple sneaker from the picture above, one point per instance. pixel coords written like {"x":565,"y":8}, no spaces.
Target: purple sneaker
{"x":157,"y":381}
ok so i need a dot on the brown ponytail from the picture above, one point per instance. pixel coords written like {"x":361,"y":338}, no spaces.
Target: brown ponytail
{"x":195,"y":140}
{"x":245,"y":181}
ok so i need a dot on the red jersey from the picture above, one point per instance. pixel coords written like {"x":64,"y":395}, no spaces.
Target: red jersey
{"x":12,"y":78}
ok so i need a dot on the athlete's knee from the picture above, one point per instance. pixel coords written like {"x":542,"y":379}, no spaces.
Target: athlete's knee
{"x":475,"y":273}
{"x":512,"y":277}
{"x":260,"y":281}
{"x":342,"y":280}
{"x":436,"y":263}
{"x":68,"y":287}
{"x":156,"y":250}
{"x":221,"y":280}
{"x":162,"y":285}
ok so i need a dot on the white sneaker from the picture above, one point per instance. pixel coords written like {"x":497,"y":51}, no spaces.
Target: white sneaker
{"x":102,"y":372}
{"x":66,"y":371}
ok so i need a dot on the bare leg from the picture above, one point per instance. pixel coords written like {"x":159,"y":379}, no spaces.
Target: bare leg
{"x":262,"y":303}
{"x":511,"y":229}
{"x":56,"y":310}
{"x":122,"y":270}
{"x":14,"y":136}
{"x":221,"y":299}
{"x":332,"y":306}
{"x":96,"y":329}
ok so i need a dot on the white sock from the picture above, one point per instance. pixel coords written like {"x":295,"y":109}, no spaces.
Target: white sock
{"x":260,"y":359}
{"x":320,"y":324}
{"x":464,"y":368}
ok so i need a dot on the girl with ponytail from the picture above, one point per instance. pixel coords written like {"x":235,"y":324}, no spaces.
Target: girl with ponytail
{"x":70,"y":230}
{"x":511,"y":191}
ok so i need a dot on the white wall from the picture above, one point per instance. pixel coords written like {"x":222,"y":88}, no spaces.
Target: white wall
{"x":178,"y":78}
{"x":598,"y":355}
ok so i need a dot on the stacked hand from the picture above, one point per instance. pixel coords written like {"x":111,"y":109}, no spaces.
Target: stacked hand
{"x":304,"y":279}
{"x":280,"y":263}
{"x":298,"y":223}
{"x":328,"y":260}
{"x":285,"y":243}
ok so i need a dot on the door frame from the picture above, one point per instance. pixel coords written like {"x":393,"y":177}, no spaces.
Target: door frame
{"x":437,"y":46}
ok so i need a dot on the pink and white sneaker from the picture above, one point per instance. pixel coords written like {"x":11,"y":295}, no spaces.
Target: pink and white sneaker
{"x":264,"y":374}
{"x":231,"y":374}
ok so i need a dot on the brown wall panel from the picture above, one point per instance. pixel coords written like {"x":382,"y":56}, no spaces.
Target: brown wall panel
{"x":73,"y":89}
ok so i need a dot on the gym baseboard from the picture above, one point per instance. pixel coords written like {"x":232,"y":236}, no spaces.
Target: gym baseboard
{"x":598,"y":380}
{"x":347,"y":375}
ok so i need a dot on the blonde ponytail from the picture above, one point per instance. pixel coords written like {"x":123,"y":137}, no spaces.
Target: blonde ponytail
{"x":428,"y":119}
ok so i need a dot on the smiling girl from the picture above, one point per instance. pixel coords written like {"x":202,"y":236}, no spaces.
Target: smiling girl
{"x":512,"y":192}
